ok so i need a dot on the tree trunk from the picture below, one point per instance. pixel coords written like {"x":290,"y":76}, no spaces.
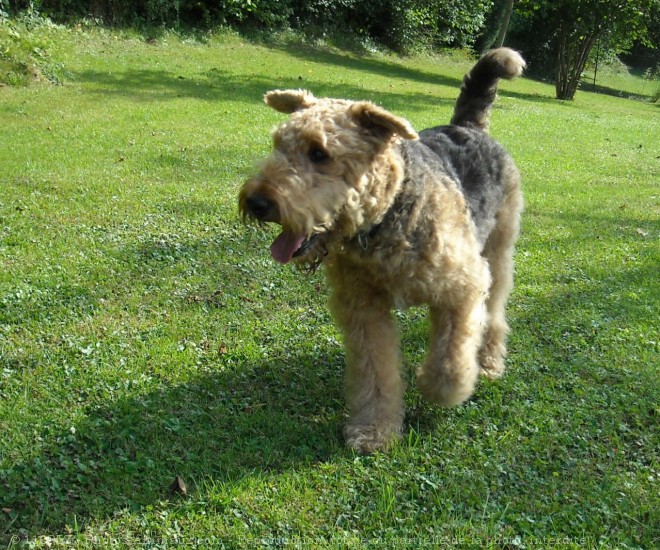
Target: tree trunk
{"x":504,"y":26}
{"x":573,"y":52}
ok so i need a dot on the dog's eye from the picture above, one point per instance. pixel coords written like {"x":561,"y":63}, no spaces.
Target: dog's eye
{"x":317,"y":155}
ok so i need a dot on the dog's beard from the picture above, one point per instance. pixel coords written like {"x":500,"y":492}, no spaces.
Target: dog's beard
{"x":312,"y":252}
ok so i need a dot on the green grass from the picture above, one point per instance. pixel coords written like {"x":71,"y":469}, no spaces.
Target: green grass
{"x":146,"y":334}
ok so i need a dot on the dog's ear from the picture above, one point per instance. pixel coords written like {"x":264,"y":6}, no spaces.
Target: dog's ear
{"x":289,"y":101}
{"x":382,"y":122}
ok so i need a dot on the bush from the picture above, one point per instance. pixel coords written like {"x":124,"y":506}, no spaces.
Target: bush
{"x":413,"y":24}
{"x":399,"y":24}
{"x":196,"y":13}
{"x":25,"y":50}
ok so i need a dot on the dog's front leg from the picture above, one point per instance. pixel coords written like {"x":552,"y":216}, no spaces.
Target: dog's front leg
{"x":374,"y":386}
{"x":449,"y":373}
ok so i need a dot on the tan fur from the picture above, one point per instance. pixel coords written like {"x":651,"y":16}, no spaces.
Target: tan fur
{"x":343,"y":198}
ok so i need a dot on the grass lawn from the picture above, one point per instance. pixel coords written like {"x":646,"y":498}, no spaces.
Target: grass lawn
{"x":146,"y":334}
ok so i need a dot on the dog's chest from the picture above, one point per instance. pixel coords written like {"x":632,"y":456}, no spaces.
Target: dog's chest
{"x":391,"y":267}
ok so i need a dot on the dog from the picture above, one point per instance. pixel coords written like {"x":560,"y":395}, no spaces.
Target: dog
{"x":398,"y":218}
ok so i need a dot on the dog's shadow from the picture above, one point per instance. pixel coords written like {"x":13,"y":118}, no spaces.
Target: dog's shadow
{"x":219,"y":426}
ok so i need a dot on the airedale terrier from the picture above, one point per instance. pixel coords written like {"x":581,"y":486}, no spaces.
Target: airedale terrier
{"x":399,"y":218}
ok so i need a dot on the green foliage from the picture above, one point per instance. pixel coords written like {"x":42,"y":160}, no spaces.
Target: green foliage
{"x":434,"y":23}
{"x":460,"y":22}
{"x":173,"y":12}
{"x":537,"y":25}
{"x":412,"y":25}
{"x":25,"y":50}
{"x":403,"y":25}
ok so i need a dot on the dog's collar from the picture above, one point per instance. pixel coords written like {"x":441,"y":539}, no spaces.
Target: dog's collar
{"x":363,"y":237}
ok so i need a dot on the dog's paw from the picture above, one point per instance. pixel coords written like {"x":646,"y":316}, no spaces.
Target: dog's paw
{"x":492,"y":365}
{"x":368,"y":439}
{"x":446,"y":391}
{"x":440,"y":394}
{"x":443,"y":390}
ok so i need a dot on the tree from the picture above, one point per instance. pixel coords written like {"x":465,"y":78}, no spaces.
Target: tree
{"x":504,"y":24}
{"x":495,"y":26}
{"x":575,"y":27}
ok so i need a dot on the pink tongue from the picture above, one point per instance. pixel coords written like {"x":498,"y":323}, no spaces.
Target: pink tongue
{"x":285,"y":245}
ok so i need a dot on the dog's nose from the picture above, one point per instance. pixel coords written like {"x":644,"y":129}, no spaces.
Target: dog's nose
{"x":261,"y":208}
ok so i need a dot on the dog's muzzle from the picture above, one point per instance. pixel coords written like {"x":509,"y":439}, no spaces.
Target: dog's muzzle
{"x":288,"y":245}
{"x":262,"y":208}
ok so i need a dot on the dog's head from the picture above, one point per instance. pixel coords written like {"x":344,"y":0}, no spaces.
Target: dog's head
{"x":331,"y":166}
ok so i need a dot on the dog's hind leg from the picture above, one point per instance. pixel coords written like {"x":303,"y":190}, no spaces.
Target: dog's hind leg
{"x":498,"y":251}
{"x":374,"y":385}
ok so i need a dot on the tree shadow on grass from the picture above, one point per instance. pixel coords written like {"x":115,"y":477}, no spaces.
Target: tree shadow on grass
{"x":235,"y":417}
{"x":216,"y":84}
{"x":159,"y":85}
{"x":240,"y":419}
{"x":614,"y":92}
{"x":367,"y":64}
{"x":397,"y":71}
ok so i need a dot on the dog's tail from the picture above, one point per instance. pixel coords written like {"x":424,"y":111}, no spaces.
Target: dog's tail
{"x":480,"y":86}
